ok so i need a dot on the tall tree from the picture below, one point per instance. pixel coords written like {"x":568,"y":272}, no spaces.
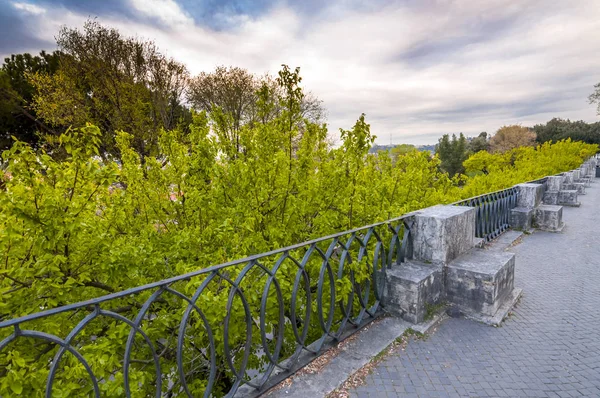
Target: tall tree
{"x":116,"y":82}
{"x":479,"y":143}
{"x":510,"y":137}
{"x":16,"y":92}
{"x":229,"y":95}
{"x":452,"y":153}
{"x":235,"y":98}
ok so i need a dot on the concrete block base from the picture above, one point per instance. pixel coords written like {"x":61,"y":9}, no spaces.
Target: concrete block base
{"x":521,"y":218}
{"x":506,"y":240}
{"x":412,"y":287}
{"x":503,"y":310}
{"x":551,"y":197}
{"x":579,"y":187}
{"x":564,"y":198}
{"x":568,"y":198}
{"x":548,"y":218}
{"x":481,"y":281}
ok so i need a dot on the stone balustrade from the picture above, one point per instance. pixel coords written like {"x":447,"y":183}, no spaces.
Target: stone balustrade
{"x":448,"y":264}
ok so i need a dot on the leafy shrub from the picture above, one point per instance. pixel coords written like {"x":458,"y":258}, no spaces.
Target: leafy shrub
{"x":75,"y":229}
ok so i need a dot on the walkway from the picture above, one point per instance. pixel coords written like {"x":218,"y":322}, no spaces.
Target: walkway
{"x":549,"y":347}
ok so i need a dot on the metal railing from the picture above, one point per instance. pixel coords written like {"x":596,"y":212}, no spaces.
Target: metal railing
{"x":249,"y":322}
{"x":492,"y":216}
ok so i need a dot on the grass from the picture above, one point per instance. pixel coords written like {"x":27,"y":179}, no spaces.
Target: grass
{"x":433,"y":309}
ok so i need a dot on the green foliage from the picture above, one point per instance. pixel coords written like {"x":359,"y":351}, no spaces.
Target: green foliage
{"x":502,"y":170}
{"x":452,"y":153}
{"x":234,"y":98}
{"x":16,"y":92}
{"x":561,"y":129}
{"x":84,"y":226}
{"x":479,"y":143}
{"x":402,"y":149}
{"x":115,"y":82}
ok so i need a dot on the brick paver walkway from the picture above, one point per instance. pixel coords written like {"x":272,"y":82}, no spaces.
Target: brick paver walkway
{"x":549,"y":347}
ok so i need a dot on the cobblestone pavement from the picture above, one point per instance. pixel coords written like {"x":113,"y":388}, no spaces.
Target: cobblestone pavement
{"x":549,"y":347}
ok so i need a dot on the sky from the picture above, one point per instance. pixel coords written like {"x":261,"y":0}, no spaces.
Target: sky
{"x":416,"y":68}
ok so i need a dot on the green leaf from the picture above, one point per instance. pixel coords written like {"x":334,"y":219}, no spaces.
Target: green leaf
{"x":16,"y":386}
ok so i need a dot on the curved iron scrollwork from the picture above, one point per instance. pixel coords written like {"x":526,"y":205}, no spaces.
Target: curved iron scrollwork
{"x":243,"y":324}
{"x":493,"y":212}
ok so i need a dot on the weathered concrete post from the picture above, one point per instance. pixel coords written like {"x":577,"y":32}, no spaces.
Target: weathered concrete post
{"x":588,"y":170}
{"x":530,"y":197}
{"x":548,"y":218}
{"x":578,"y":183}
{"x":556,"y":194}
{"x":439,"y":235}
{"x":530,"y":212}
{"x":592,"y":163}
{"x":442,"y":233}
{"x":571,"y":182}
{"x":446,"y":266}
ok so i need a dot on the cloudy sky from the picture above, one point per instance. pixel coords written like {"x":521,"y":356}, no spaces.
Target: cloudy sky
{"x":417,"y":68}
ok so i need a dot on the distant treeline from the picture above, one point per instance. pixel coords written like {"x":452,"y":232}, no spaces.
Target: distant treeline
{"x":560,"y":129}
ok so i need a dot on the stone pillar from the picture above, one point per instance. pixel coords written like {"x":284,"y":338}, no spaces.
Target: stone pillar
{"x":549,"y":218}
{"x":439,"y":235}
{"x":530,"y":197}
{"x":561,"y":191}
{"x":442,"y":233}
{"x":592,"y":168}
{"x":554,"y":183}
{"x":585,"y":172}
{"x":568,"y":178}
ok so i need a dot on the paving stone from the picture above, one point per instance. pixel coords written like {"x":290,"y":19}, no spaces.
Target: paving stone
{"x":548,"y":347}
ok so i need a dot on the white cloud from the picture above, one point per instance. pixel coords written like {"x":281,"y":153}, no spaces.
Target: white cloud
{"x":417,"y":71}
{"x":29,"y":8}
{"x":166,"y":11}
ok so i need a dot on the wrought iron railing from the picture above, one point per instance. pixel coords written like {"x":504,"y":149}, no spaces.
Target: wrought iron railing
{"x":492,"y":216}
{"x":247,"y":322}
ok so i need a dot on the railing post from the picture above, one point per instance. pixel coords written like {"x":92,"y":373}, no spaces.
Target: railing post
{"x":556,"y":194}
{"x":439,"y":235}
{"x":529,"y":197}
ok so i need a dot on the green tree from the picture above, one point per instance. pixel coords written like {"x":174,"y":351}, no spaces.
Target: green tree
{"x":116,"y":82}
{"x":235,"y":98}
{"x":82,"y":226}
{"x":560,"y":129}
{"x":402,"y":149}
{"x":16,"y":93}
{"x":452,"y":153}
{"x":479,"y":143}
